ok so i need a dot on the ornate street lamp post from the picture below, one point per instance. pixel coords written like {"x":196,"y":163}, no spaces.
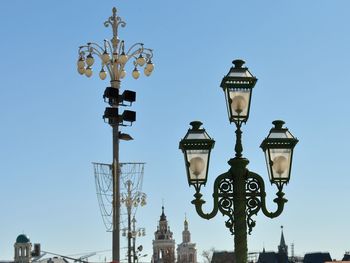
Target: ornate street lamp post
{"x":113,"y":57}
{"x":132,"y":199}
{"x":239,"y":193}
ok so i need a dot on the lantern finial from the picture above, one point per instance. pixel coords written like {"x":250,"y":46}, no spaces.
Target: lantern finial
{"x":278,"y":124}
{"x":195,"y":125}
{"x":238,"y":63}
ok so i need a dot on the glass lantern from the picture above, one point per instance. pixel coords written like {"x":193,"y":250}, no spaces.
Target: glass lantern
{"x":196,"y":146}
{"x":278,"y":148}
{"x":237,"y":86}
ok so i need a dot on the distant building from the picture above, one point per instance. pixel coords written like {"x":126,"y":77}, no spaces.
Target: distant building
{"x":317,"y":257}
{"x":23,"y":249}
{"x":223,"y":257}
{"x":272,"y":257}
{"x":186,"y":251}
{"x":163,"y":243}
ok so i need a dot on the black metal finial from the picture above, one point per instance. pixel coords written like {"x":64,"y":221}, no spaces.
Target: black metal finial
{"x":195,"y":125}
{"x":278,"y":124}
{"x":238,"y":63}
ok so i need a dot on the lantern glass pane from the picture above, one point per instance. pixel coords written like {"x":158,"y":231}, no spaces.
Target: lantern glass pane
{"x":238,"y":102}
{"x":244,"y":74}
{"x":197,"y":164}
{"x":279,"y":135}
{"x":280,"y":164}
{"x":197,"y":136}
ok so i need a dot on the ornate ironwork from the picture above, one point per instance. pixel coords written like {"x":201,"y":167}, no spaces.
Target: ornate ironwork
{"x":224,"y":198}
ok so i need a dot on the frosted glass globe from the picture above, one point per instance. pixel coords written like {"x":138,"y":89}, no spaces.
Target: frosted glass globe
{"x":141,"y":60}
{"x":123,"y":58}
{"x":103,"y":74}
{"x":147,"y":73}
{"x":90,"y":60}
{"x":88,"y":72}
{"x":81,"y":70}
{"x":122,"y":74}
{"x":197,"y":165}
{"x":280,"y":164}
{"x":105,"y":57}
{"x":149,"y":66}
{"x":135,"y":73}
{"x":239,"y":104}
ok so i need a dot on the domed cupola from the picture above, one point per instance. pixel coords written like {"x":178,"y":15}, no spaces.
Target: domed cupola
{"x":22,"y":239}
{"x":23,"y":249}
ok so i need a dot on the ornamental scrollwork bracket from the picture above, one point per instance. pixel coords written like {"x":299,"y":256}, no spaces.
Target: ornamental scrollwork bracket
{"x":224,"y":198}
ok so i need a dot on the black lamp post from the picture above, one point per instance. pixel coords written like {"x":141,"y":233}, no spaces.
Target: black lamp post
{"x":239,"y":193}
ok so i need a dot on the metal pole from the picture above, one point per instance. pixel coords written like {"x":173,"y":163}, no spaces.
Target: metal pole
{"x":134,"y":239}
{"x":239,"y":172}
{"x":116,"y":188}
{"x":240,"y":223}
{"x":129,"y":205}
{"x":116,"y":196}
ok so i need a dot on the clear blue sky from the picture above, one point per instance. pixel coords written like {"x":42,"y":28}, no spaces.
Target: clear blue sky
{"x":52,"y":127}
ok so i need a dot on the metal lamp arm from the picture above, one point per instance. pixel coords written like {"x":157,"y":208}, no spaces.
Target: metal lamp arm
{"x":149,"y":52}
{"x":97,"y":45}
{"x":108,"y":46}
{"x":198,"y":202}
{"x":280,"y":200}
{"x":133,"y":46}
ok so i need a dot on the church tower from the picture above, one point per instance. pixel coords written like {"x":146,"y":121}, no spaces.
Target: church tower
{"x":282,"y":248}
{"x":163,"y":243}
{"x":23,"y":249}
{"x":186,"y":251}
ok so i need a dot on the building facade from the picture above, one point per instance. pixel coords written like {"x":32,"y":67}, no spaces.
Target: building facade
{"x":186,"y":251}
{"x":163,"y":243}
{"x":23,"y":249}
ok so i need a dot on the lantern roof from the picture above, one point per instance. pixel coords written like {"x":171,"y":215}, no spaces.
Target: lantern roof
{"x":196,"y":137}
{"x":279,"y":137}
{"x":238,"y":76}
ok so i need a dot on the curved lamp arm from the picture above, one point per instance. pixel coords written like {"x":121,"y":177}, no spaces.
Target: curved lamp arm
{"x":280,"y":200}
{"x":198,"y":201}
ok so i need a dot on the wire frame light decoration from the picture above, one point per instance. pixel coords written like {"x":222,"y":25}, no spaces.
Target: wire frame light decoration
{"x":129,"y":172}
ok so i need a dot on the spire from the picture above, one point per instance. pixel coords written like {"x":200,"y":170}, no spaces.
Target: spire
{"x":282,"y":242}
{"x":186,"y":235}
{"x":282,"y":248}
{"x":185,"y":223}
{"x":162,"y":216}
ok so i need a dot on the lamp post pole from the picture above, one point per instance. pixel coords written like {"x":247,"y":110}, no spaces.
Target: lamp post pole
{"x":132,"y":199}
{"x":239,"y":193}
{"x":114,"y":57}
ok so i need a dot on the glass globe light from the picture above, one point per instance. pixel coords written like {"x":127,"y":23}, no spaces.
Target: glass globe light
{"x":147,"y":72}
{"x":150,"y":66}
{"x":141,"y":60}
{"x":135,"y":73}
{"x":103,"y":74}
{"x":88,"y":72}
{"x":81,"y":62}
{"x":123,"y":58}
{"x":81,"y":70}
{"x":105,"y":57}
{"x":122,"y":74}
{"x":90,"y":60}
